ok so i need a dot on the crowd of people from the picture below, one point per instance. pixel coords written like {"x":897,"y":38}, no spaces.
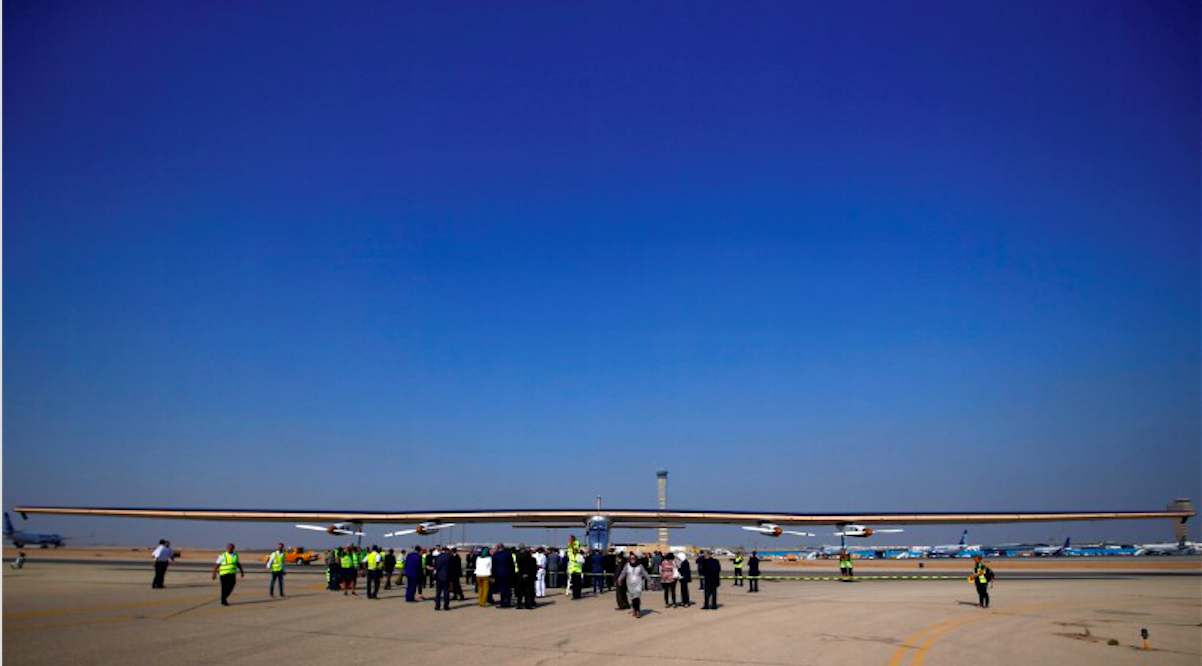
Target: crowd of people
{"x":504,"y":577}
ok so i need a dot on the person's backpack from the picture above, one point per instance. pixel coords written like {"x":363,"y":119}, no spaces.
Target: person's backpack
{"x":988,"y":575}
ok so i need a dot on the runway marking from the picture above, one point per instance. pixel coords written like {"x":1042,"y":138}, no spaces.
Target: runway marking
{"x":932,"y":632}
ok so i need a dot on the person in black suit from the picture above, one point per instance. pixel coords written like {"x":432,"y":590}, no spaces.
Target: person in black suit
{"x":527,"y":570}
{"x":711,"y":574}
{"x":442,"y":580}
{"x":609,"y":566}
{"x":456,"y":575}
{"x":502,"y":573}
{"x":684,"y":575}
{"x":753,"y":572}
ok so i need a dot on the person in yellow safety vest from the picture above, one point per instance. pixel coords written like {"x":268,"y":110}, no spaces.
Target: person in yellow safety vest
{"x":570,"y":555}
{"x":347,"y":563}
{"x":845,"y":564}
{"x":738,"y":565}
{"x":275,"y":564}
{"x":374,"y":561}
{"x":576,"y":573}
{"x":227,"y":566}
{"x":981,"y":577}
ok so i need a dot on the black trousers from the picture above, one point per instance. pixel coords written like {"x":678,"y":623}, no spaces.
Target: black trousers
{"x":505,"y":585}
{"x":519,"y":591}
{"x":160,"y":571}
{"x":684,"y":592}
{"x":526,"y":592}
{"x":739,"y":577}
{"x":373,"y":583}
{"x":442,"y":594}
{"x":636,"y":604}
{"x":228,"y":581}
{"x":753,"y":583}
{"x":983,"y":593}
{"x":669,"y":593}
{"x":577,"y":581}
{"x":388,"y":578}
{"x":711,"y":596}
{"x":457,"y":590}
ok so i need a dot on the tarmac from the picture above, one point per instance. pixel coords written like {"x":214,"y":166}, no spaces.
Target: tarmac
{"x":75,"y":611}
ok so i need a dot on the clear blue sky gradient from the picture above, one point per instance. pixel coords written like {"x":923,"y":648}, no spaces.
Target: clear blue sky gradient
{"x":809,"y":256}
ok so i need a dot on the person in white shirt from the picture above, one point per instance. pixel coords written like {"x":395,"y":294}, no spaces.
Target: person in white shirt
{"x":162,"y":559}
{"x":275,"y":564}
{"x":484,"y":577}
{"x":540,"y":579}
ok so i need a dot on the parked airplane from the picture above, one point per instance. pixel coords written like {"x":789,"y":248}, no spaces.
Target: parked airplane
{"x":1052,"y":551}
{"x":955,"y":549}
{"x":21,"y":538}
{"x":598,"y":524}
{"x":1180,"y":548}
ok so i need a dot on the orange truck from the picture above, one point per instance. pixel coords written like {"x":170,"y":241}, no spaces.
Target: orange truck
{"x":299,"y":555}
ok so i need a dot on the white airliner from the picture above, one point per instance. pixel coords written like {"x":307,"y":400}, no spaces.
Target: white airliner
{"x":954,"y":549}
{"x":1052,"y":551}
{"x":597,"y":523}
{"x":1179,"y":548}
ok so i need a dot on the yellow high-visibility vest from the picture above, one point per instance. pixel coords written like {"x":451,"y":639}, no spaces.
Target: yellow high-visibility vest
{"x":738,"y":561}
{"x":373,"y":560}
{"x":277,"y":562}
{"x":229,"y":564}
{"x":345,"y":560}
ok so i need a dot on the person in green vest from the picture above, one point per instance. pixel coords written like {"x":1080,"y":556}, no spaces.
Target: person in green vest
{"x":737,"y":560}
{"x":576,"y":572}
{"x":347,"y":563}
{"x":845,"y":564}
{"x":981,"y":577}
{"x":374,"y":562}
{"x":229,"y":568}
{"x":275,"y":564}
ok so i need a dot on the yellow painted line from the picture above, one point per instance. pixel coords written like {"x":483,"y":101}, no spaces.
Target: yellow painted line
{"x":911,"y":645}
{"x":899,"y":655}
{"x":920,"y":654}
{"x":87,"y":609}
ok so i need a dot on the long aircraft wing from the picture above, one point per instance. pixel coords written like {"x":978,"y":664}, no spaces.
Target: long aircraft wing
{"x":619,"y":516}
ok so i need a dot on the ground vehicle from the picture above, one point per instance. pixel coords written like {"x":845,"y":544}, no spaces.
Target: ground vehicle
{"x":299,"y":555}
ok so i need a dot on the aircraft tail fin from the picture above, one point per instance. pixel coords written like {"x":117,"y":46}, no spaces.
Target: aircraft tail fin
{"x":964,"y":538}
{"x":1067,"y":541}
{"x":8,"y":525}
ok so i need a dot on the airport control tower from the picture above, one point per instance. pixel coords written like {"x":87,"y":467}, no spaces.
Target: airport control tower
{"x":661,"y":486}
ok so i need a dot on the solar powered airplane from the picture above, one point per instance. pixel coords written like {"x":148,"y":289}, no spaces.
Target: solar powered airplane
{"x":598,"y":523}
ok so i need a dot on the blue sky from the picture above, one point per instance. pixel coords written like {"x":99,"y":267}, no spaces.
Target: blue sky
{"x":812,"y":257}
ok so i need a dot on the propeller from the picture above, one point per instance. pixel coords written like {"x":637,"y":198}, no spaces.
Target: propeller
{"x":867,"y":531}
{"x":424,"y":528}
{"x":331,"y":529}
{"x":774,"y":530}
